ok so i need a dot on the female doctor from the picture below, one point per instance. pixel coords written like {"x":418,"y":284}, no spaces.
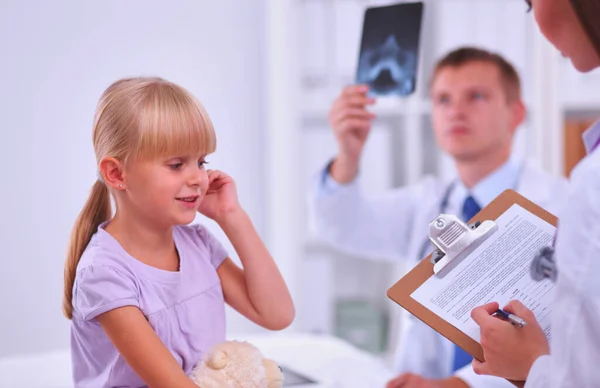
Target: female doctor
{"x":571,"y":359}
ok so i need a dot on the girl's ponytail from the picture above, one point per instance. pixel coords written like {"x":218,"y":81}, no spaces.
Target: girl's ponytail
{"x":96,"y":210}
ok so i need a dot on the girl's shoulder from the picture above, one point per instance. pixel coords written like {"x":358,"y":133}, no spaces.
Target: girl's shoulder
{"x":104,"y":251}
{"x":200,"y":240}
{"x":103,"y":280}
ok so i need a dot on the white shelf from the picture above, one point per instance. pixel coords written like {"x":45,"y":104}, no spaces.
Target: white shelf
{"x":318,"y":105}
{"x":583,"y":105}
{"x":313,"y":244}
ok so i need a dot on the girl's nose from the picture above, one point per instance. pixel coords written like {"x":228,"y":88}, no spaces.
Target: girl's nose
{"x":196,"y":177}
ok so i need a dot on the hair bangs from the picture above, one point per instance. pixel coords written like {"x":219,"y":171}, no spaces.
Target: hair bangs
{"x":172,"y":122}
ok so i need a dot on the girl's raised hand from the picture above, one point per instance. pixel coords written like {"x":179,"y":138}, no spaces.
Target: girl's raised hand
{"x":221,"y":198}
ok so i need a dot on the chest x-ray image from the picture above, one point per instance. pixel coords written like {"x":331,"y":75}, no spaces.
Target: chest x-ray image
{"x":389,"y":49}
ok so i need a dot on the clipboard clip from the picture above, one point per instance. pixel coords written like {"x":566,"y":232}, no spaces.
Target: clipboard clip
{"x":455,"y":239}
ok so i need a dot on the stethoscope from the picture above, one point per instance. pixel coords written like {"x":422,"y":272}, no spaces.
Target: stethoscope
{"x":543,"y":265}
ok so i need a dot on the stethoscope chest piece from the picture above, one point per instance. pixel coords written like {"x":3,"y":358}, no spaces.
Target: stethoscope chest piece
{"x":543,"y":265}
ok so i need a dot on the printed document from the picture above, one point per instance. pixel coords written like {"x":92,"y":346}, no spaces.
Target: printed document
{"x":496,"y":271}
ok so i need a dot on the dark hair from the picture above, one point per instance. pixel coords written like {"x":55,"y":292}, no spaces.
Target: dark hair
{"x":464,"y":55}
{"x":588,"y":12}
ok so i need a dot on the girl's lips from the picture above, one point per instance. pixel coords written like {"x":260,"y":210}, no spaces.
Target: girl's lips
{"x":191,"y":198}
{"x":190,"y":202}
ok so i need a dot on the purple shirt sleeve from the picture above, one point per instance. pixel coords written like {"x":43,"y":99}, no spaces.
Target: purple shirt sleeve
{"x":101,"y":288}
{"x":217,"y":251}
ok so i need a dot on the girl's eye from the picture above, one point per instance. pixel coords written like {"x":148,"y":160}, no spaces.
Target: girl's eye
{"x":175,"y":166}
{"x":202,"y":163}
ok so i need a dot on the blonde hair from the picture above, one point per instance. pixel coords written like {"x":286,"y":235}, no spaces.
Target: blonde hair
{"x":136,"y":119}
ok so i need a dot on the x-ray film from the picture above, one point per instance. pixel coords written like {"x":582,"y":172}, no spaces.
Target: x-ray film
{"x":389,"y":49}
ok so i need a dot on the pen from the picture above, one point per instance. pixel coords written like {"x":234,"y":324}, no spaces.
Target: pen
{"x":516,"y":321}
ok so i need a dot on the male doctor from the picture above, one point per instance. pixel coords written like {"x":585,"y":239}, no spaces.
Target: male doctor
{"x":476,"y":109}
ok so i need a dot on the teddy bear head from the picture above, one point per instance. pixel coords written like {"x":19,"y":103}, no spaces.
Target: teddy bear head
{"x":237,"y":364}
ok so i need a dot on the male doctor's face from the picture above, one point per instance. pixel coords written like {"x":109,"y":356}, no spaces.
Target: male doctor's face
{"x":472,"y":116}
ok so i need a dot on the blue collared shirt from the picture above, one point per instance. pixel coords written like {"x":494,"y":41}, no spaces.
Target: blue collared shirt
{"x":504,"y":177}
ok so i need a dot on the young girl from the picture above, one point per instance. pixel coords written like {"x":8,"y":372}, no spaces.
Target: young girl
{"x":144,"y":290}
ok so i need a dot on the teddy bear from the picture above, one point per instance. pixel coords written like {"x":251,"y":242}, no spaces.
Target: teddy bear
{"x":237,"y":364}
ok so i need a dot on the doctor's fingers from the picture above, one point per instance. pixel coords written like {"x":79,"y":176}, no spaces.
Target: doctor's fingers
{"x":354,"y":89}
{"x":406,"y":380}
{"x":344,"y":113}
{"x":396,"y":382}
{"x":355,"y":100}
{"x":353,"y":92}
{"x":519,"y":309}
{"x":484,"y":313}
{"x":480,"y":368}
{"x":492,"y":330}
{"x":353,"y":127}
{"x":494,"y":333}
{"x":350,"y":107}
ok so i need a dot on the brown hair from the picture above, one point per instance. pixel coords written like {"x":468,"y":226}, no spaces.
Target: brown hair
{"x":588,"y":13}
{"x":464,"y":55}
{"x":136,"y":119}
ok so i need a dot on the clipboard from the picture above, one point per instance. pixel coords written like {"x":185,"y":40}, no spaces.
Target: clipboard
{"x":401,"y":291}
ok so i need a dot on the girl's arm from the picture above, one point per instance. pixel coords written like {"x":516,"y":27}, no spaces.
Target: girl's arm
{"x":141,"y":348}
{"x":258,"y":291}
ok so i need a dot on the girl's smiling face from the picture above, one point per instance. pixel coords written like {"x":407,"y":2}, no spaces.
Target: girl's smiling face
{"x":167,"y":191}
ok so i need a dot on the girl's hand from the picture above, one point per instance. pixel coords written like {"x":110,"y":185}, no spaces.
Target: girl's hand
{"x":509,"y":351}
{"x":221,"y":198}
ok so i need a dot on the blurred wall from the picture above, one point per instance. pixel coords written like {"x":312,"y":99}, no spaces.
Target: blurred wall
{"x":57,"y":58}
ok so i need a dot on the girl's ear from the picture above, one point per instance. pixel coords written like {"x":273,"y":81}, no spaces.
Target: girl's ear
{"x":112,"y":173}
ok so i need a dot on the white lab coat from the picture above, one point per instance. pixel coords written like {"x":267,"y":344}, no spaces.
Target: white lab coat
{"x":575,"y":341}
{"x":393,"y":227}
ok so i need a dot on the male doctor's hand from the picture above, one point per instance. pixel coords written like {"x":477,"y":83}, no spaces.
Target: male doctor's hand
{"x":351,"y":123}
{"x":508,"y":351}
{"x":409,"y":380}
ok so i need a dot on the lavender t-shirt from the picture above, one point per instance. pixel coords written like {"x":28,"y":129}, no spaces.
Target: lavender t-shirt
{"x":185,"y":308}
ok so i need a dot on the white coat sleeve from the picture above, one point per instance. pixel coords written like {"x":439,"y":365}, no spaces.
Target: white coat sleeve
{"x":575,"y":335}
{"x":376,"y":227}
{"x":537,"y":376}
{"x":473,"y":380}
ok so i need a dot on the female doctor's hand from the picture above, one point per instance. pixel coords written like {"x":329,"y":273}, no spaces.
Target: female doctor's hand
{"x":509,"y":351}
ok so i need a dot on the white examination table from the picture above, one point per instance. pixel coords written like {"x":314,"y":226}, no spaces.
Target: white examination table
{"x":329,"y":360}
